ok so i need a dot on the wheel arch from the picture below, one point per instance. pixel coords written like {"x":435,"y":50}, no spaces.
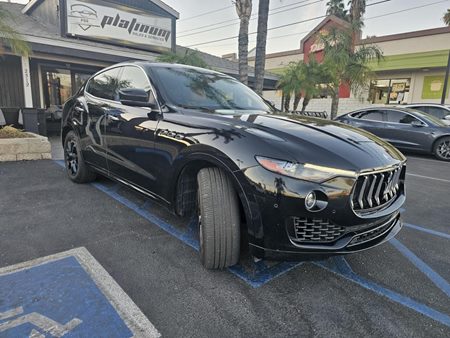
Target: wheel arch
{"x":437,"y":140}
{"x":185,"y":185}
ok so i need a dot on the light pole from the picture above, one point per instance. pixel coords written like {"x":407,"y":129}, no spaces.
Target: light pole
{"x":444,"y":92}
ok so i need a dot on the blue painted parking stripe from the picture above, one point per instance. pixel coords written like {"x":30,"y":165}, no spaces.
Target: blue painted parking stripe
{"x":440,"y":282}
{"x":261,"y":276}
{"x":429,"y":231}
{"x":264,"y":275}
{"x":342,"y":268}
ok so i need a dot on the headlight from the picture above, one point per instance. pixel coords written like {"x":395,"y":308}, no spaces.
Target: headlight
{"x":303,"y":171}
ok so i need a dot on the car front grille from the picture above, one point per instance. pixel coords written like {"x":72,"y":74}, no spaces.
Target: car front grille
{"x":376,"y":190}
{"x":372,"y":233}
{"x":316,"y":230}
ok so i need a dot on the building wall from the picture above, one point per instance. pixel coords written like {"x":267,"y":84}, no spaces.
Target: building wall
{"x":277,"y":64}
{"x":415,"y":45}
{"x":48,"y":11}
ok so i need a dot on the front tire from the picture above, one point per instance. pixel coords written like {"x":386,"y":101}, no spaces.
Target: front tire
{"x":219,"y":219}
{"x":441,"y":149}
{"x":76,"y":169}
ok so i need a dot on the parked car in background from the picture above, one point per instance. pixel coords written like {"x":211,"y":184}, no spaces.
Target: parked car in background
{"x":440,"y":111}
{"x":405,"y":128}
{"x":206,"y":145}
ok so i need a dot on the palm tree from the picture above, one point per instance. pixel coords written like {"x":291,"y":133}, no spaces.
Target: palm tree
{"x":345,"y":65}
{"x":261,"y":39}
{"x":189,"y":57}
{"x":289,"y":84}
{"x":244,"y":11}
{"x":337,"y":8}
{"x":7,"y":34}
{"x":312,"y":75}
{"x":446,"y":17}
{"x":357,"y":10}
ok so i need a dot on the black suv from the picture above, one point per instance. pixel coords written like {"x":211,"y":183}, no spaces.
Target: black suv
{"x":203,"y":143}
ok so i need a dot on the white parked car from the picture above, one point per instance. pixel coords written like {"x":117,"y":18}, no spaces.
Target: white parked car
{"x":437,"y":110}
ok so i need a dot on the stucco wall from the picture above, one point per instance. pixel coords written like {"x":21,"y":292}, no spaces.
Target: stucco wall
{"x":415,"y":45}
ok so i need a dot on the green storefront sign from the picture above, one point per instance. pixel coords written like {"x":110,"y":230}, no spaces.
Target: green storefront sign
{"x":433,"y":87}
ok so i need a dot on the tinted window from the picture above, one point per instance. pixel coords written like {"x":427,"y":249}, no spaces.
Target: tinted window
{"x":134,"y":77}
{"x":104,"y":85}
{"x":399,"y":117}
{"x":438,"y":112}
{"x":192,"y":88}
{"x":373,"y":115}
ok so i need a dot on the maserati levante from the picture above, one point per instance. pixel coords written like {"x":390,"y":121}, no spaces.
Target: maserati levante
{"x":207,"y":146}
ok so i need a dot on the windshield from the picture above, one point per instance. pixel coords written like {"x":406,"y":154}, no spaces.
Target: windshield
{"x":192,"y":88}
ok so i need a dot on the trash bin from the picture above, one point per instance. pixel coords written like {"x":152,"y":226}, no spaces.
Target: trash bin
{"x":11,"y":117}
{"x":34,"y":121}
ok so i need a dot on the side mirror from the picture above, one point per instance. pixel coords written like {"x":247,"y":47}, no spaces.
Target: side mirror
{"x":447,"y":118}
{"x":134,"y":97}
{"x":417,"y":124}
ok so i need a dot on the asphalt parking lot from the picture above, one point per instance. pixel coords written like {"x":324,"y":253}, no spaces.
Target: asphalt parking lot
{"x":398,"y":289}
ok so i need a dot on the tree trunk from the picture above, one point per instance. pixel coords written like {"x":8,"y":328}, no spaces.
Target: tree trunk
{"x":297,"y":99}
{"x":243,"y":51}
{"x":261,"y":39}
{"x":305,"y":103}
{"x":287,"y":102}
{"x":334,"y":105}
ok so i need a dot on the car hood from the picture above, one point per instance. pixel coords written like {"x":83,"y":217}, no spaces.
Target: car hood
{"x":318,"y":141}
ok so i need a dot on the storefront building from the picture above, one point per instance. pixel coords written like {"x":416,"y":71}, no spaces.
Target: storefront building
{"x":72,"y":39}
{"x":413,"y":68}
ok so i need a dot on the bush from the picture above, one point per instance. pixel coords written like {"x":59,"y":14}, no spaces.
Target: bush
{"x":10,"y":132}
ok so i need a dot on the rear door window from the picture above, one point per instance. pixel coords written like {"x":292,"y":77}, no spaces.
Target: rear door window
{"x":395,"y":116}
{"x":104,"y":85}
{"x":372,"y":115}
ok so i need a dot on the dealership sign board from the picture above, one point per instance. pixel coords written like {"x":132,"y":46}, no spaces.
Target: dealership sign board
{"x":118,"y":24}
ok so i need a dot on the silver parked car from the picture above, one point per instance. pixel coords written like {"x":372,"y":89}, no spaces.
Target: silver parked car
{"x":407,"y":129}
{"x":440,"y":111}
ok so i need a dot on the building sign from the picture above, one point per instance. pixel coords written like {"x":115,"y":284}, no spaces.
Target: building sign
{"x":108,"y":22}
{"x":433,"y":87}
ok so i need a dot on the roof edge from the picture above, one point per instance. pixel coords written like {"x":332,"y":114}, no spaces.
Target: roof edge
{"x":30,"y":6}
{"x":33,"y":3}
{"x":406,"y":35}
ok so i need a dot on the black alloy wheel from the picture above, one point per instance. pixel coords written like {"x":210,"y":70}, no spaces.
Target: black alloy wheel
{"x":76,"y":168}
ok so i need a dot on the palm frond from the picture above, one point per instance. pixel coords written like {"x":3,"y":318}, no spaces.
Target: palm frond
{"x":9,"y":37}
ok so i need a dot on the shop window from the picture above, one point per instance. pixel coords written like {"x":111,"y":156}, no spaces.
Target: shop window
{"x":59,"y":87}
{"x":389,"y":91}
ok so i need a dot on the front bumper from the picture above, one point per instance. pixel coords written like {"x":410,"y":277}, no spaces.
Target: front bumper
{"x":314,"y":252}
{"x":282,"y":228}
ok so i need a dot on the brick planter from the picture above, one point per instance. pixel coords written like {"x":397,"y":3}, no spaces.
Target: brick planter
{"x":24,"y":149}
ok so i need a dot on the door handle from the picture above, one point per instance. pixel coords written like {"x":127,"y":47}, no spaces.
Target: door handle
{"x":113,"y":118}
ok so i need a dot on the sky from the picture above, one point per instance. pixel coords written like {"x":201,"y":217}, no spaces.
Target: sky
{"x":404,"y":18}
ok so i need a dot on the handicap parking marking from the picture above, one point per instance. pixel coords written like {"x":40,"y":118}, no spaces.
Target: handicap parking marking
{"x":67,"y":294}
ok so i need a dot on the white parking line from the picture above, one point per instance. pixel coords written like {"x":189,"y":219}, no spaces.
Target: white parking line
{"x":428,"y":177}
{"x":427,"y":160}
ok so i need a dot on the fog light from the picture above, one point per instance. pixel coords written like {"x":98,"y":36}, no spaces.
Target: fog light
{"x":310,"y":200}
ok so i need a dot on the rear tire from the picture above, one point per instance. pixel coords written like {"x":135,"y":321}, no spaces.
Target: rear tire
{"x":76,"y":169}
{"x":441,"y":149}
{"x":219,"y":219}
